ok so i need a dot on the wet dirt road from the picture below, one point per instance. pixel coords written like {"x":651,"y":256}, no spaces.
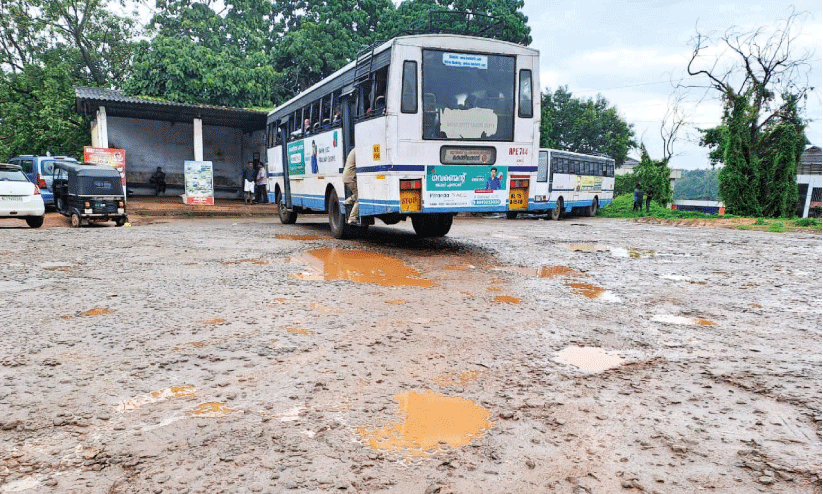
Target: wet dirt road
{"x":582,"y":356}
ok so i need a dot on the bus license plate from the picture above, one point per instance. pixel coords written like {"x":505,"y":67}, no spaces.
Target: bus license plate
{"x":518,"y":199}
{"x":410,"y":200}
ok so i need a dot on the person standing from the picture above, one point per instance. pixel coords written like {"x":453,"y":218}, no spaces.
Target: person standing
{"x":638,"y":198}
{"x":350,"y":180}
{"x":249,"y":177}
{"x":649,"y":195}
{"x":158,"y":180}
{"x":260,"y":184}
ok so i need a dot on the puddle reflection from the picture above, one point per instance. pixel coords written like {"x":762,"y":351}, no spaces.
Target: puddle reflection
{"x":359,"y":266}
{"x":589,"y":359}
{"x":427,"y":420}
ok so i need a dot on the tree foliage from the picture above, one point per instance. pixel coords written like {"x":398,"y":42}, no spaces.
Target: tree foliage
{"x":589,"y":126}
{"x":654,"y":176}
{"x":761,"y":134}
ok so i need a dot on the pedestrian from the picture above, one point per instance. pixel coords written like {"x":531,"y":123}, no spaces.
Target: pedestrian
{"x":638,"y":198}
{"x":158,"y":180}
{"x":350,"y":180}
{"x":649,"y":195}
{"x":260,"y":184}
{"x":249,"y":177}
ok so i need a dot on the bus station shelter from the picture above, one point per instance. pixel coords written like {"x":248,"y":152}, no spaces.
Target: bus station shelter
{"x":166,"y":134}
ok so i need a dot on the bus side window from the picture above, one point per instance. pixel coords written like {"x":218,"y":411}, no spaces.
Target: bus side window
{"x":525,"y":107}
{"x":408,"y":99}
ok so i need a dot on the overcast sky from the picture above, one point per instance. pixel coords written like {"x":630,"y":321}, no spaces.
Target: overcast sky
{"x":629,"y":52}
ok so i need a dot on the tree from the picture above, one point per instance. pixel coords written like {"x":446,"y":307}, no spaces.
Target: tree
{"x":655,"y":176}
{"x":47,"y":48}
{"x":584,"y":126}
{"x":761,"y":134}
{"x":697,"y":185}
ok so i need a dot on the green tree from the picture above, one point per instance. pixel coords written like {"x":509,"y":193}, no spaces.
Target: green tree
{"x":589,"y":126}
{"x":655,"y":176}
{"x":761,"y":134}
{"x":697,"y":185}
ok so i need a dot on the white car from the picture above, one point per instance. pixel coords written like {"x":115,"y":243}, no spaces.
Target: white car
{"x":19,"y":198}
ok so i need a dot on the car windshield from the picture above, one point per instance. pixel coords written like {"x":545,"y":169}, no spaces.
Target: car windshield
{"x":7,"y":175}
{"x":468,"y":96}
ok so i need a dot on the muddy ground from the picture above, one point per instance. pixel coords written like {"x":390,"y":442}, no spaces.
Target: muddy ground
{"x":241,"y":355}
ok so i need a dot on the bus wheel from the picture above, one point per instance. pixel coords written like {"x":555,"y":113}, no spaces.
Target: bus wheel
{"x":593,"y":208}
{"x":286,"y":217}
{"x":432,"y":225}
{"x":75,"y":220}
{"x":337,"y":221}
{"x":557,"y":212}
{"x":511,"y":214}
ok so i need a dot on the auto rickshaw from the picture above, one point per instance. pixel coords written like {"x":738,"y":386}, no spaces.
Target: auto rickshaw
{"x":86,"y":192}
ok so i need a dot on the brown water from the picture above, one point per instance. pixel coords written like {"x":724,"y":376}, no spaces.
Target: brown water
{"x":505,"y":299}
{"x":586,"y":289}
{"x":590,"y":359}
{"x":359,"y":266}
{"x":396,"y":302}
{"x":210,"y":409}
{"x":427,"y":420}
{"x":300,"y":331}
{"x":96,"y":312}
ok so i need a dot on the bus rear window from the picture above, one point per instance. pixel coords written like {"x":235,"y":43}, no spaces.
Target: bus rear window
{"x":468,"y":96}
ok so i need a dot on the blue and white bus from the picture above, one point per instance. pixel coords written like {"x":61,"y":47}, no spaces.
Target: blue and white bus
{"x":440,"y":124}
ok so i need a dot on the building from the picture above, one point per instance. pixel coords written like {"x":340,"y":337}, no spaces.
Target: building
{"x":809,"y":183}
{"x":161,"y":133}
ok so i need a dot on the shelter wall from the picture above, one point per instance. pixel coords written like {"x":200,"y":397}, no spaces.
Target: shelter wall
{"x":153,"y":143}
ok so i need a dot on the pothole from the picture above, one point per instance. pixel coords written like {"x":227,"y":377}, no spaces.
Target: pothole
{"x":359,"y":266}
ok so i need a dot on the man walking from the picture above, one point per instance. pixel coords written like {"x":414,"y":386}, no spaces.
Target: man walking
{"x":249,"y":177}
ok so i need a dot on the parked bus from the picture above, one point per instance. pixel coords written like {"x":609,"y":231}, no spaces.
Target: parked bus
{"x":440,"y":124}
{"x":570,"y":182}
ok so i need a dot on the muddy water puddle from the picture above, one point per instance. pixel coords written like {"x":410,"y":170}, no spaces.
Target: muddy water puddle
{"x":429,"y":422}
{"x":155,"y":397}
{"x":303,"y":331}
{"x":505,"y":299}
{"x":632,"y":252}
{"x":210,"y":409}
{"x":682,"y":320}
{"x":589,"y":359}
{"x":359,"y":266}
{"x":592,"y":292}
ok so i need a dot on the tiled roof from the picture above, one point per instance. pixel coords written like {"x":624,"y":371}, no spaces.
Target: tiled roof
{"x":117,"y":104}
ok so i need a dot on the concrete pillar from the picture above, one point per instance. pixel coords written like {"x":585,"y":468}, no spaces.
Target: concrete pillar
{"x":198,"y":139}
{"x":102,"y":130}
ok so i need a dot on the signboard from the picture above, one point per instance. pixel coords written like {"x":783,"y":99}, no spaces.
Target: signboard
{"x":199,"y":182}
{"x":466,"y":60}
{"x":318,"y":154}
{"x":109,"y":157}
{"x":466,"y":186}
{"x":588,"y":183}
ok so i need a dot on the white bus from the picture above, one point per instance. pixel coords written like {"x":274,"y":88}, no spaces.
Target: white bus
{"x":440,"y":124}
{"x":570,"y":182}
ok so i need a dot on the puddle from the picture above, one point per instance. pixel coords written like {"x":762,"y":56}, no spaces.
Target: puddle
{"x":459,"y":267}
{"x":555,"y":271}
{"x":461,"y":380}
{"x":505,"y":299}
{"x":396,"y":301}
{"x":632,"y":252}
{"x":281,"y":236}
{"x":681,"y":320}
{"x":211,"y":409}
{"x":359,"y":266}
{"x":495,"y":289}
{"x":252,"y":261}
{"x":219,"y":320}
{"x":95,"y":312}
{"x":300,"y":331}
{"x":589,"y":359}
{"x":586,"y":248}
{"x":428,"y":419}
{"x":156,"y":396}
{"x":586,"y":289}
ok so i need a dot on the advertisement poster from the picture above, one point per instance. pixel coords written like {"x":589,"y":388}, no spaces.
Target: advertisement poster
{"x":588,"y":183}
{"x":199,"y":182}
{"x":466,"y":186}
{"x":109,"y":157}
{"x":319,"y":154}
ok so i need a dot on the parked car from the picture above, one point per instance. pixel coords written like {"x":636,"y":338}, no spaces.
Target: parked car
{"x":86,"y":192}
{"x":20,"y":198}
{"x":39,"y":170}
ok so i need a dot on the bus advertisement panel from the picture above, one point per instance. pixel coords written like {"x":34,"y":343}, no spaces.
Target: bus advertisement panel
{"x":465,"y":186}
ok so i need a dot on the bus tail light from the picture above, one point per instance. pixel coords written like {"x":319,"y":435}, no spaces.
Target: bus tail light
{"x":519,"y":184}
{"x":411,"y":184}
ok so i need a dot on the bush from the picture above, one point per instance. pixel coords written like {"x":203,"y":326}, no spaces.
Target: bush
{"x":807,"y":222}
{"x":621,"y":207}
{"x":776,"y":227}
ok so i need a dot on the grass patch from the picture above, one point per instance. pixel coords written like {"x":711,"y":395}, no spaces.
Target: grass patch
{"x":621,"y":207}
{"x":777,"y":226}
{"x":813,"y":223}
{"x":760,"y":221}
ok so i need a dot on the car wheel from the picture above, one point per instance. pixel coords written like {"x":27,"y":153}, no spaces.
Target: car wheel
{"x":75,"y":220}
{"x":35,"y":221}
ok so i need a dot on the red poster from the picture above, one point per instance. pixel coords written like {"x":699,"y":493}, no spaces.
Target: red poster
{"x":200,"y":200}
{"x":107,"y":156}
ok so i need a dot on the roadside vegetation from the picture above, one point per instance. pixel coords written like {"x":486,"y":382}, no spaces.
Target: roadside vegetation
{"x":622,"y":208}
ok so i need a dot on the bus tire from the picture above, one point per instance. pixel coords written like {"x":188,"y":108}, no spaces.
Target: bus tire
{"x":432,"y":225}
{"x":592,"y":210}
{"x":557,"y":212}
{"x":286,"y":217}
{"x":337,"y":220}
{"x":76,"y":222}
{"x":511,"y":214}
